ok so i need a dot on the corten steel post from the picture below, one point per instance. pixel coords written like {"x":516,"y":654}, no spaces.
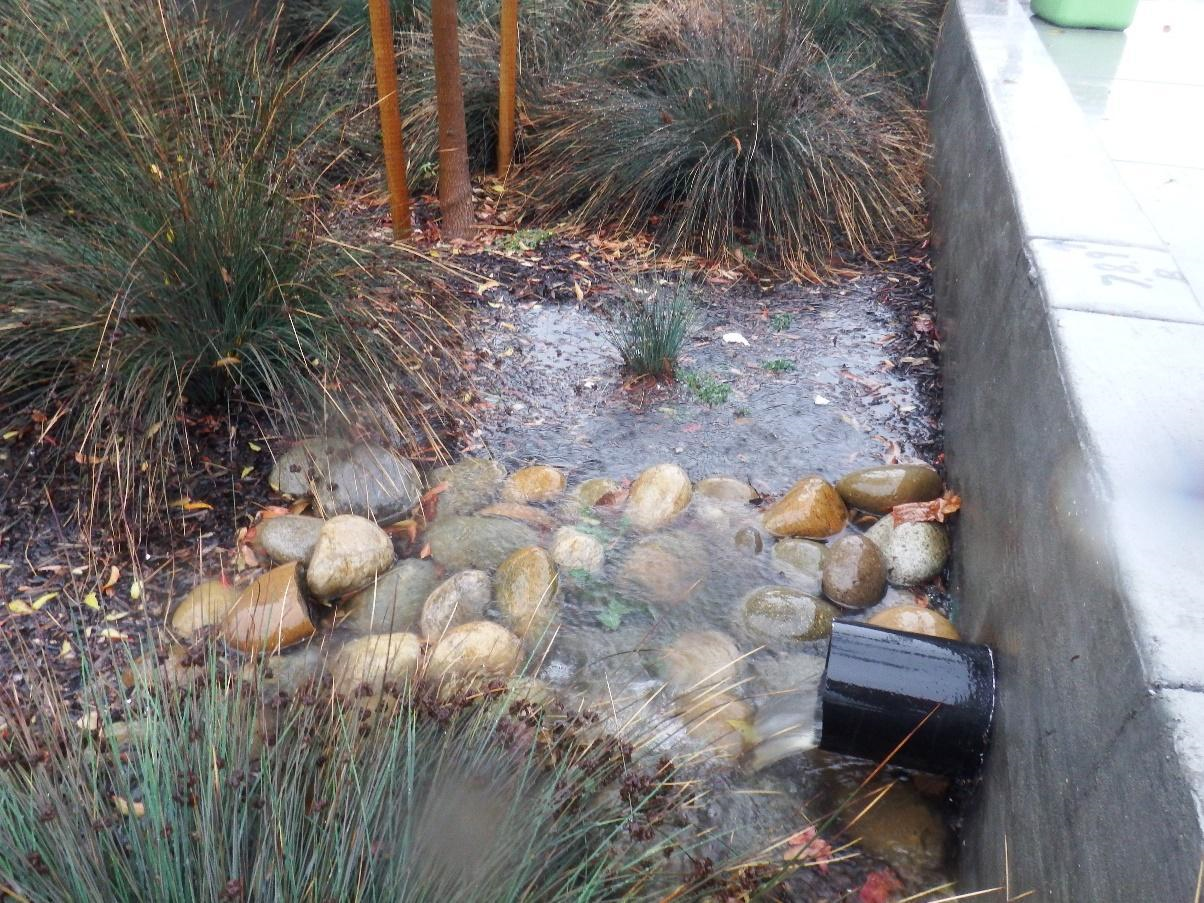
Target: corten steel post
{"x":455,"y":187}
{"x":507,"y":86}
{"x":389,"y":105}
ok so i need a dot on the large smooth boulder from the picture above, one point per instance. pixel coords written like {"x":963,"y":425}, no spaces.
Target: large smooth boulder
{"x":289,"y":537}
{"x":914,"y":552}
{"x":527,"y":588}
{"x":350,"y":552}
{"x":536,"y":483}
{"x":206,"y":604}
{"x":811,"y":509}
{"x":370,"y":481}
{"x":879,"y":489}
{"x":393,"y":601}
{"x":270,"y":614}
{"x":459,"y":599}
{"x":854,"y":572}
{"x":299,"y":468}
{"x":469,"y":484}
{"x":657,"y":496}
{"x":476,"y":542}
{"x":476,"y":649}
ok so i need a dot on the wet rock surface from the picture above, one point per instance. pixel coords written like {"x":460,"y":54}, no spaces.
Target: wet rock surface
{"x":914,"y":552}
{"x":205,"y":605}
{"x":657,"y":496}
{"x":457,"y":600}
{"x":811,"y":509}
{"x":393,"y":601}
{"x":459,"y":542}
{"x":350,"y":552}
{"x":270,"y":614}
{"x":916,"y":619}
{"x":288,"y":538}
{"x":469,"y":484}
{"x":879,"y":489}
{"x":854,"y":572}
{"x":773,"y":614}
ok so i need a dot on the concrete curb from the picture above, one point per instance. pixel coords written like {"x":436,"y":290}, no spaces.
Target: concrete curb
{"x":1074,"y":414}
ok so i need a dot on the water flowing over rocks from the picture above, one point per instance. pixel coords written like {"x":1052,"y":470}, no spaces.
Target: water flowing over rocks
{"x":527,"y":587}
{"x":469,"y":484}
{"x":349,"y":553}
{"x":573,"y":550}
{"x":725,"y":489}
{"x":483,"y":543}
{"x":879,"y":489}
{"x":288,"y":538}
{"x":394,"y":600}
{"x":591,"y":492}
{"x":536,"y":483}
{"x":657,"y":496}
{"x":667,"y":568}
{"x":701,"y":658}
{"x":459,"y":599}
{"x":811,"y":509}
{"x":854,"y":572}
{"x":776,"y":613}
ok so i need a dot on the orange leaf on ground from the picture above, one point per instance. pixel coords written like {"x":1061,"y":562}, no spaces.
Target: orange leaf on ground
{"x":430,"y":501}
{"x":810,"y":849}
{"x":919,"y":512}
{"x":270,"y":511}
{"x":426,"y":551}
{"x":880,"y":887}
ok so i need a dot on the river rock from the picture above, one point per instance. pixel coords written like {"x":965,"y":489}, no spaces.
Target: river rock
{"x":370,"y":481}
{"x":854,"y":572}
{"x":811,"y":509}
{"x":289,"y":672}
{"x":536,"y":483}
{"x":914,"y":552}
{"x":701,"y":658}
{"x":666,"y":569}
{"x":298,"y":469}
{"x":270,"y":614}
{"x":527,"y":588}
{"x":776,"y":613}
{"x":349,"y":553}
{"x":459,"y":599}
{"x":373,"y":660}
{"x":878,"y":489}
{"x":479,"y":648}
{"x":725,"y":489}
{"x":476,"y":542}
{"x":719,"y":720}
{"x":471,"y":483}
{"x":902,"y":828}
{"x":593,"y":491}
{"x":916,"y":619}
{"x":206,"y":604}
{"x":393,"y":602}
{"x":657,"y":496}
{"x":573,"y":550}
{"x":748,"y":540}
{"x":288,"y":538}
{"x":528,"y":514}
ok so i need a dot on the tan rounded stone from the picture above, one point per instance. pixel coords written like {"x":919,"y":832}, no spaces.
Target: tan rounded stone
{"x":527,"y":587}
{"x":916,"y":619}
{"x":591,"y":492}
{"x":811,"y":509}
{"x":665,"y":569}
{"x":270,"y":614}
{"x":206,"y":604}
{"x":721,"y":721}
{"x":528,"y":514}
{"x":372,"y":660}
{"x":537,"y":483}
{"x":854,"y":572}
{"x":700,"y":658}
{"x":351,"y":551}
{"x":459,"y":599}
{"x":476,"y":649}
{"x":879,"y":489}
{"x":657,"y":496}
{"x":725,"y":489}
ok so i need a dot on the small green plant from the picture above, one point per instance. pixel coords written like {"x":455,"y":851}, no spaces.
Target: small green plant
{"x":781,"y":322}
{"x":611,"y":616}
{"x":707,"y":389}
{"x":778,"y":365}
{"x":525,"y":240}
{"x":653,"y":323}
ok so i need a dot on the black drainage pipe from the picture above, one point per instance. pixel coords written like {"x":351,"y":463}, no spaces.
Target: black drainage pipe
{"x":928,"y":701}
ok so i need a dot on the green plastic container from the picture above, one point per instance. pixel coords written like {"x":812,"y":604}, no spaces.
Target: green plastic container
{"x":1116,"y":15}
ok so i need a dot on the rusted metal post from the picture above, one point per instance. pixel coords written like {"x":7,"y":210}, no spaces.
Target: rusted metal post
{"x":389,"y":106}
{"x":507,"y":86}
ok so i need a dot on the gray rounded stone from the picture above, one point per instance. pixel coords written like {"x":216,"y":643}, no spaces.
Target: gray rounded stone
{"x":914,"y":552}
{"x":460,"y":542}
{"x":394,"y":601}
{"x":370,"y":481}
{"x":472,"y":483}
{"x":350,"y":552}
{"x":457,"y":600}
{"x":775,"y":613}
{"x":854,"y":572}
{"x":289,"y":537}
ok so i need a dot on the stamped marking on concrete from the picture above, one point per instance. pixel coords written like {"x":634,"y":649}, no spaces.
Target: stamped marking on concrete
{"x":1115,"y":279}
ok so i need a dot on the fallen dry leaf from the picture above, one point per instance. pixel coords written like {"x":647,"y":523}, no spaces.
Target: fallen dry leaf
{"x":879,"y":887}
{"x":812,"y":850}
{"x":114,"y":576}
{"x":430,"y":500}
{"x":920,"y":512}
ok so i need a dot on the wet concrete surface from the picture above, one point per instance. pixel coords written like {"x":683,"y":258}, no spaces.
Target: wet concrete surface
{"x":831,"y":378}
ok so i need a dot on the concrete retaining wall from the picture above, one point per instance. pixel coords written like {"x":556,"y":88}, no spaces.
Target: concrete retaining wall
{"x":1074,"y":414}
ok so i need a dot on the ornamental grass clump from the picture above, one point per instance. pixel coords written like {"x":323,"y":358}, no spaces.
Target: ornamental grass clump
{"x":177,"y":272}
{"x":233,"y":789}
{"x":750,"y":135}
{"x":652,"y":324}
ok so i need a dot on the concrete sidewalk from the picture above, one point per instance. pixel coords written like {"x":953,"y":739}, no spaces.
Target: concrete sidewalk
{"x":1067,"y":278}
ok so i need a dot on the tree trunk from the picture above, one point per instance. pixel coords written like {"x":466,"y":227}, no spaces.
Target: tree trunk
{"x":507,"y":84}
{"x":455,"y":189}
{"x":390,"y":115}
